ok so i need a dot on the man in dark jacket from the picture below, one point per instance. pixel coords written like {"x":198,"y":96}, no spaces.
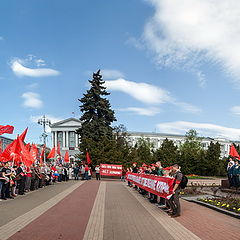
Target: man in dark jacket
{"x":21,"y":176}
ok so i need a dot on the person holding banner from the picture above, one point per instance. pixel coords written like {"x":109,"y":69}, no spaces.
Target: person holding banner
{"x":153,"y":197}
{"x":174,"y":200}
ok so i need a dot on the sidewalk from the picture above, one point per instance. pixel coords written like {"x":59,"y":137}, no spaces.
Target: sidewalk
{"x":109,"y":210}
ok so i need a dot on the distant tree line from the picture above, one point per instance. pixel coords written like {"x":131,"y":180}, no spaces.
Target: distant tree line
{"x":107,"y":144}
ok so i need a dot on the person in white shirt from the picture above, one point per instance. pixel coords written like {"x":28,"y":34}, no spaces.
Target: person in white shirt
{"x":97,"y":169}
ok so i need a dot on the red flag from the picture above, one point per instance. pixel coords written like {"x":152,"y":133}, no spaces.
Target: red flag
{"x":233,"y":152}
{"x":42,"y":154}
{"x":52,"y":153}
{"x":6,"y":129}
{"x":24,"y":154}
{"x":58,"y":149}
{"x":16,"y":147}
{"x":33,"y":152}
{"x":28,"y":146}
{"x":6,"y":154}
{"x":66,"y":157}
{"x":88,"y":158}
{"x":23,"y":135}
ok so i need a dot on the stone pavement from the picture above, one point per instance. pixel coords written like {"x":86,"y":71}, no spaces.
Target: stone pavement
{"x":106,"y":210}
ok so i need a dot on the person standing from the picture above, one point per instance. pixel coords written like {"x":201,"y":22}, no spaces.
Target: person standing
{"x":230,"y":168}
{"x":134,"y":168}
{"x":174,"y":200}
{"x":97,"y":169}
{"x":236,"y":173}
{"x":82,"y":172}
{"x":3,"y":179}
{"x":86,"y":172}
{"x":28,"y":179}
{"x":76,"y":172}
{"x":153,"y":197}
{"x":21,"y":176}
{"x":5,"y":193}
{"x":160,"y":173}
{"x":60,"y":172}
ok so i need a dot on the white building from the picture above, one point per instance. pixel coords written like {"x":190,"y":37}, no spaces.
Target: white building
{"x":157,"y":139}
{"x":64,"y":133}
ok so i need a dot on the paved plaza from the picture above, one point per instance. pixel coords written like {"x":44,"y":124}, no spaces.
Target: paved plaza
{"x":106,"y":210}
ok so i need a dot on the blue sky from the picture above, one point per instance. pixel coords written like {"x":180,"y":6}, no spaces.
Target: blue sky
{"x":168,"y":67}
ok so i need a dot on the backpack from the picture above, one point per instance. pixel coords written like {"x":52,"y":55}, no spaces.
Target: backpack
{"x":183,"y":182}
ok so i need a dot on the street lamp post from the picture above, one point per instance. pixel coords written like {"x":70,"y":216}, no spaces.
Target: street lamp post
{"x":44,"y":122}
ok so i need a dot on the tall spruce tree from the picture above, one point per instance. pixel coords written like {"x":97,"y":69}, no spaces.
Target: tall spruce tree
{"x":214,"y":163}
{"x":97,"y":117}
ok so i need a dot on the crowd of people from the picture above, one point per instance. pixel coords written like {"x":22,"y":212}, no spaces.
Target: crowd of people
{"x":171,"y":205}
{"x":233,"y":173}
{"x":18,"y":180}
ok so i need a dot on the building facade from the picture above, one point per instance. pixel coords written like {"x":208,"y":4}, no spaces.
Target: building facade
{"x":157,"y":139}
{"x":4,"y":141}
{"x":64,"y":133}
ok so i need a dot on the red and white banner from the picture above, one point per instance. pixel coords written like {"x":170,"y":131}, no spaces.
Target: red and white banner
{"x":161,"y":186}
{"x":6,"y":129}
{"x":110,"y":170}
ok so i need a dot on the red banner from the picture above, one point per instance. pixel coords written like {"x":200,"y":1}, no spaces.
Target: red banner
{"x":110,"y":170}
{"x":6,"y":129}
{"x":161,"y":186}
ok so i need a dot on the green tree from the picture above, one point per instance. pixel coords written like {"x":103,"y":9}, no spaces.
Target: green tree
{"x":167,"y":154}
{"x":190,"y":153}
{"x":143,"y":151}
{"x":214,"y":163}
{"x":97,"y":117}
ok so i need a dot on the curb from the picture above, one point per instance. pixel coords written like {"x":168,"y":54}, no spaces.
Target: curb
{"x":232,"y":214}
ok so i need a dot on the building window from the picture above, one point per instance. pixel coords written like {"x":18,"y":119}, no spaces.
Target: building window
{"x":71,"y":139}
{"x":60,"y":138}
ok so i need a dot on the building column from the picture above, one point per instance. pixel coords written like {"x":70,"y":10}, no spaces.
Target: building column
{"x":55,"y":141}
{"x":76,"y":140}
{"x":67,"y":139}
{"x":64,"y":138}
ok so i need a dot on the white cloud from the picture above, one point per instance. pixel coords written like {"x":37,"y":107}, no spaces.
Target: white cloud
{"x":40,"y":62}
{"x":111,"y":74}
{"x":148,"y":94}
{"x":135,"y":42}
{"x":53,"y":119}
{"x":32,"y":100}
{"x":186,"y":107}
{"x":1,"y":38}
{"x":143,"y":92}
{"x":32,"y":86}
{"x":20,"y":70}
{"x":195,"y":31}
{"x":204,"y":129}
{"x":235,"y":110}
{"x":201,"y":79}
{"x":142,"y":111}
